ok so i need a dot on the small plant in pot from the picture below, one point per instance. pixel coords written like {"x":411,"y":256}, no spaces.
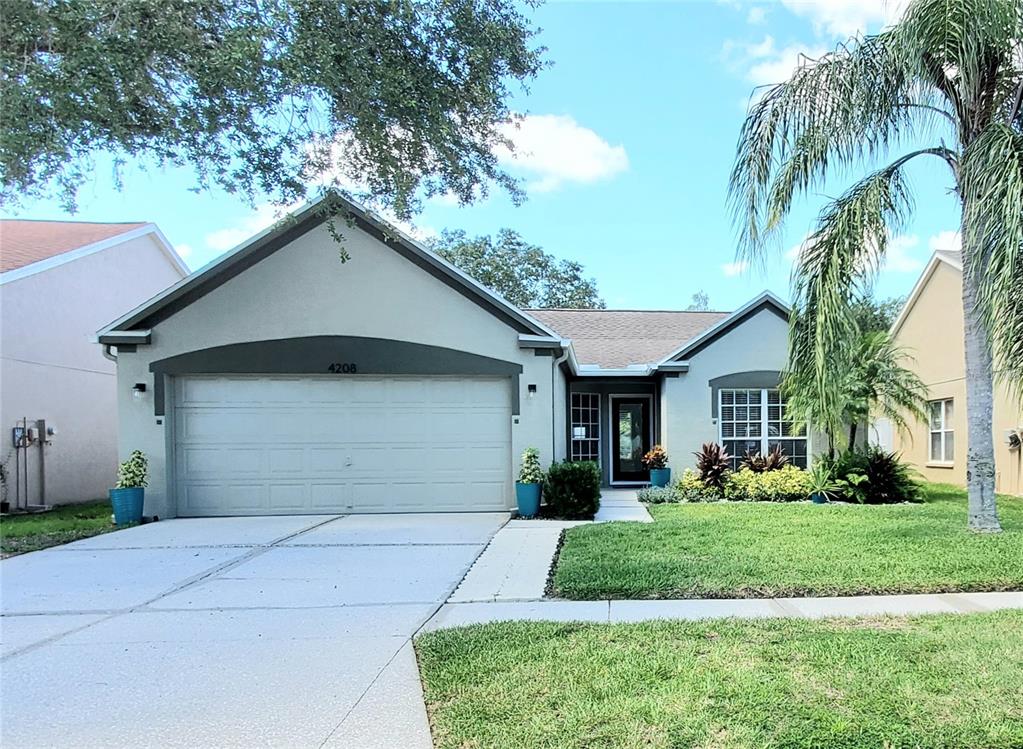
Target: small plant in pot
{"x":128,"y":496}
{"x":822,"y":487}
{"x":527,"y":488}
{"x":656,"y":462}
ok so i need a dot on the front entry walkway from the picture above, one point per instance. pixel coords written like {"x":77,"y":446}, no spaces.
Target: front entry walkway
{"x":267,"y":631}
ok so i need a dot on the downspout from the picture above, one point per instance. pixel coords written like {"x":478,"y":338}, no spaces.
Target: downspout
{"x":107,"y":352}
{"x":565,"y":344}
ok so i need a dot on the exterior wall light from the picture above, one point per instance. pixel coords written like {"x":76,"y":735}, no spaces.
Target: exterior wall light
{"x":531,"y":390}
{"x":139,"y":391}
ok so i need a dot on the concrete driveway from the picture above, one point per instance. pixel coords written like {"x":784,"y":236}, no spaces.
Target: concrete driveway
{"x":270,"y":631}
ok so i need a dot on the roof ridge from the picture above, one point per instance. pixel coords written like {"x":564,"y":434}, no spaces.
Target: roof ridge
{"x":63,"y":221}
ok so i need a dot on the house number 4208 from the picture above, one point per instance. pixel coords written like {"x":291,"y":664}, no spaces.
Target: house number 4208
{"x":342,"y":368}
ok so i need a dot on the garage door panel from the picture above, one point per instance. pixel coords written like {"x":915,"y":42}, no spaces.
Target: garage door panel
{"x":291,"y":444}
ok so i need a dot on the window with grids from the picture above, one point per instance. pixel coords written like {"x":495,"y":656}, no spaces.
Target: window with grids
{"x":755,"y":420}
{"x":943,"y":443}
{"x":585,"y":426}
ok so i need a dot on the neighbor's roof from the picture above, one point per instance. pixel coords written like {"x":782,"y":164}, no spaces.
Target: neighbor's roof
{"x":617,"y":338}
{"x":25,"y":242}
{"x":952,"y":257}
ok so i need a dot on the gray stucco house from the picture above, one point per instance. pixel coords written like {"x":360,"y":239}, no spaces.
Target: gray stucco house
{"x":280,"y":380}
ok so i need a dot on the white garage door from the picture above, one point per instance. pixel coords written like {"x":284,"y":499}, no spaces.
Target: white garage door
{"x":281,"y":445}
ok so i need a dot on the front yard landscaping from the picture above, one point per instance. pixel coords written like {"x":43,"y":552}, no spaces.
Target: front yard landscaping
{"x":759,"y":550}
{"x":928,"y":681}
{"x":34,"y":531}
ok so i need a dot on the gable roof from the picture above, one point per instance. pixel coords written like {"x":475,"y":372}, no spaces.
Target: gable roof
{"x":948,"y":257}
{"x":24,"y":242}
{"x":30,"y":247}
{"x":614,"y":339}
{"x":135,"y":324}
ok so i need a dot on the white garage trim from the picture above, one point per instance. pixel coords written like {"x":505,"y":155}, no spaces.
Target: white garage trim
{"x":259,"y":445}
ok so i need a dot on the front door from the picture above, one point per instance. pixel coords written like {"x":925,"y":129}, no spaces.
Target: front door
{"x":630,"y":436}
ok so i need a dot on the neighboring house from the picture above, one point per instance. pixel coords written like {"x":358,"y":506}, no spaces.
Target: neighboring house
{"x":279,"y":380}
{"x":60,"y":280}
{"x":930,"y":327}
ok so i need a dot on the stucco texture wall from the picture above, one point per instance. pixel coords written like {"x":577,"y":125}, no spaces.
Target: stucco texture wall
{"x":52,"y":370}
{"x":687,"y":421}
{"x":932,"y":332}
{"x":304,"y":290}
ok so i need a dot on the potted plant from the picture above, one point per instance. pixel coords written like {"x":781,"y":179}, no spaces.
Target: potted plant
{"x":822,"y":488}
{"x":657,"y":462}
{"x":129,"y":494}
{"x":527,"y":488}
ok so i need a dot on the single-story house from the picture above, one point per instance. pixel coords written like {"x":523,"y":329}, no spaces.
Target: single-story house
{"x":278,"y":379}
{"x":931,"y":329}
{"x":59,"y":281}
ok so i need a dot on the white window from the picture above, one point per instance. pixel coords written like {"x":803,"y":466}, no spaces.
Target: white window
{"x":943,"y":442}
{"x":755,"y":420}
{"x":585,"y":426}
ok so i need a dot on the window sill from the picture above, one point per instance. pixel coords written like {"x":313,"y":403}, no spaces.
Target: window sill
{"x":939,"y":465}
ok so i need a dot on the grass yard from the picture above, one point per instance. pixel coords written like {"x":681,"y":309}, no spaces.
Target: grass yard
{"x":19,"y":533}
{"x":761,"y":549}
{"x":929,"y":681}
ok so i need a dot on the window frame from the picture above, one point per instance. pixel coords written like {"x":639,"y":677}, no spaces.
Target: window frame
{"x":765,"y":438}
{"x":592,"y":406}
{"x":944,"y":430}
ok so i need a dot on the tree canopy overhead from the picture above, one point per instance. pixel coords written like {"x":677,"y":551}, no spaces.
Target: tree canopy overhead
{"x":948,"y":78}
{"x":386,"y":99}
{"x":522,"y":273}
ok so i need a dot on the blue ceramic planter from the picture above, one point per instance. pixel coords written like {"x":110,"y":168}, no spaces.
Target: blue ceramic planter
{"x":127,"y":504}
{"x":660,"y":476}
{"x":819,"y":499}
{"x":528,"y":498}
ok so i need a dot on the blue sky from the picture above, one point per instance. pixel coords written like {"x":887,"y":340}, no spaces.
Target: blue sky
{"x":625,"y":150}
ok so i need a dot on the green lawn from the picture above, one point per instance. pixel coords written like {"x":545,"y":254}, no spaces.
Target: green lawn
{"x":60,"y":525}
{"x":759,"y":549}
{"x":929,"y":681}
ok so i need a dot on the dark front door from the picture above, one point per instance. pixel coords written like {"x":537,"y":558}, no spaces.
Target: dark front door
{"x":630,"y":438}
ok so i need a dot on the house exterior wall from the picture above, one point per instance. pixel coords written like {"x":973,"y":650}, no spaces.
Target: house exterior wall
{"x":50,"y":368}
{"x":932,"y":331}
{"x":759,"y":344}
{"x":303,"y":290}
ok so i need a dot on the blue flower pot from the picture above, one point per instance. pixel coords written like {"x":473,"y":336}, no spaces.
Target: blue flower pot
{"x":127,"y":504}
{"x":660,"y":476}
{"x":818,"y":498}
{"x":527,"y":496}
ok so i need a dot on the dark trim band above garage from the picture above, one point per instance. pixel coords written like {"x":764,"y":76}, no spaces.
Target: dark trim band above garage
{"x":761,"y":379}
{"x":337,"y":356}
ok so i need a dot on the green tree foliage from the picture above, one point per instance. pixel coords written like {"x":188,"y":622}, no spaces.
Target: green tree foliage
{"x":946,"y":77}
{"x":386,"y":99}
{"x":700,"y":302}
{"x":522,"y":273}
{"x":874,"y":315}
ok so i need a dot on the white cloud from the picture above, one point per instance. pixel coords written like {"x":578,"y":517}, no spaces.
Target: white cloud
{"x":756,"y":15}
{"x":950,"y":241}
{"x":898,"y":257}
{"x":763,"y":63}
{"x":844,"y":18}
{"x":224,"y":239}
{"x":734,"y":269}
{"x":552,"y":150}
{"x":183,"y":250}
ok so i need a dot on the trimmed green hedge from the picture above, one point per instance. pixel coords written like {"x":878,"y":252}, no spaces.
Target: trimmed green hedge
{"x":572,"y":490}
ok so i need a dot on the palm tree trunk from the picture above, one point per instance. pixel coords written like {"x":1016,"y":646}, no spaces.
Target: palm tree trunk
{"x":980,"y":447}
{"x":852,"y":436}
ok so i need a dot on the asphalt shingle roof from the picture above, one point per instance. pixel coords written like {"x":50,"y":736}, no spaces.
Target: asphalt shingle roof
{"x":617,"y":338}
{"x":25,"y":242}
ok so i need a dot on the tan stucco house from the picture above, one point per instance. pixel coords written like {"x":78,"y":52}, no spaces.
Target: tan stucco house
{"x":59,"y":281}
{"x":279,"y":380}
{"x":930,"y":328}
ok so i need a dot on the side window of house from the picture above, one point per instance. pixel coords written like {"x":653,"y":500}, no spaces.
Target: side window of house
{"x":943,"y":444}
{"x":585,"y":426}
{"x":755,"y":419}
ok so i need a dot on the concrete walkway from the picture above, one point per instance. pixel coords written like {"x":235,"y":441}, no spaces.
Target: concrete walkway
{"x":621,"y":504}
{"x":461,"y":614}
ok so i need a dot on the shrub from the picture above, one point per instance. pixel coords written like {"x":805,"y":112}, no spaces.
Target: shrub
{"x":775,"y":460}
{"x":133,"y":472}
{"x":872,"y":476}
{"x":687,"y":488}
{"x":658,"y":495}
{"x":787,"y":484}
{"x":656,"y":459}
{"x":712,"y":465}
{"x":530,"y":472}
{"x":573,"y":490}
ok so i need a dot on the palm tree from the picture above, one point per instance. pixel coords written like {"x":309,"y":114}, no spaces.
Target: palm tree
{"x":948,"y":70}
{"x":873,"y":382}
